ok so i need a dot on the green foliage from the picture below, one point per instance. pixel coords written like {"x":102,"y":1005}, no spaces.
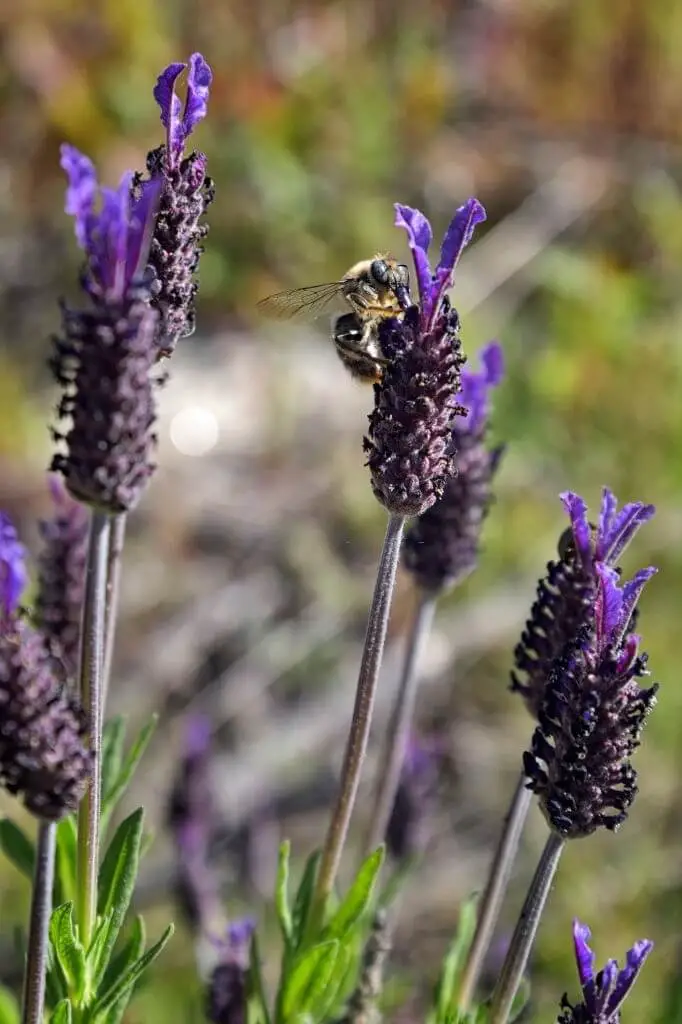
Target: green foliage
{"x":444,"y":1009}
{"x":117,"y":768}
{"x":9,"y":1008}
{"x":17,"y":847}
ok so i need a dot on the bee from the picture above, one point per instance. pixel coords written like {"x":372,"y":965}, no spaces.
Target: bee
{"x":374,"y":289}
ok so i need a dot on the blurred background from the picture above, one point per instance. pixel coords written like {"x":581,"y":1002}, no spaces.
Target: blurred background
{"x":250,"y":561}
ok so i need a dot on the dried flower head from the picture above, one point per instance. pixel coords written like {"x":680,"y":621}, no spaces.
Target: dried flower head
{"x":441,"y":546}
{"x":186,"y":192}
{"x":43,"y":757}
{"x":104,"y":357}
{"x":61,"y":578}
{"x":592,"y":715}
{"x":605,"y":992}
{"x":226,"y":996}
{"x":566,"y":595}
{"x":410,"y":445}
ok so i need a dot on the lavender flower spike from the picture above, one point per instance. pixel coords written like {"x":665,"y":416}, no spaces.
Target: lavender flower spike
{"x":605,"y":992}
{"x":441,"y":546}
{"x":13,"y":574}
{"x":180,"y":124}
{"x":591,"y":717}
{"x":411,"y":445}
{"x":227,"y":995}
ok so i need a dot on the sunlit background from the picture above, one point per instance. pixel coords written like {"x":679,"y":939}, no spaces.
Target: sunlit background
{"x":251,"y":558}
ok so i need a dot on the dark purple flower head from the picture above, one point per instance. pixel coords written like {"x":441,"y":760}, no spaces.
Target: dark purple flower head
{"x":13,"y":575}
{"x":567,"y":595}
{"x":605,"y":992}
{"x":433,"y":285}
{"x":441,"y":546}
{"x":591,"y":717}
{"x":113,"y":228}
{"x":406,"y":829}
{"x":179,"y":123}
{"x":226,"y":995}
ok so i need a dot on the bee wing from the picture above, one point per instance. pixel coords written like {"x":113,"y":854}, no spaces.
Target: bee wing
{"x":306,"y":302}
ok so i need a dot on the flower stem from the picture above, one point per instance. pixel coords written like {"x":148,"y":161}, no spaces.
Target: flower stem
{"x":491,"y":900}
{"x":356,"y":744}
{"x":91,"y":663}
{"x":115,"y":549}
{"x":525,"y":931}
{"x":41,"y":908}
{"x":397,"y":733}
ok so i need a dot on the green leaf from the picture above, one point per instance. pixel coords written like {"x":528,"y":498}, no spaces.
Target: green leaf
{"x":454,"y":960}
{"x":125,"y":774}
{"x":113,"y":738}
{"x":117,"y":877}
{"x":67,"y":949}
{"x":17,"y":847}
{"x":282,"y":893}
{"x":61,"y":1013}
{"x":131,"y":950}
{"x":303,"y":899}
{"x":308,"y":979}
{"x":357,"y":898}
{"x":9,"y":1008}
{"x":257,"y":982}
{"x":66,"y":860}
{"x":126,"y":981}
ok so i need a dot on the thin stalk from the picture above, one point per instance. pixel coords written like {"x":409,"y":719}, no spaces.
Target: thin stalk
{"x":496,"y":885}
{"x":356,"y":744}
{"x":397,"y":734}
{"x":91,"y":663}
{"x":525,"y":931}
{"x":115,"y":549}
{"x":41,"y":908}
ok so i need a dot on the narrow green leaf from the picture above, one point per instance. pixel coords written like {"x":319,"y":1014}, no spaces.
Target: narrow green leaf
{"x":131,"y":950}
{"x":68,"y":949}
{"x":282,"y":892}
{"x":126,"y":981}
{"x":453,"y":961}
{"x":303,"y":899}
{"x":17,"y":847}
{"x":357,"y":898}
{"x":66,"y":860}
{"x":257,"y":981}
{"x":113,"y":738}
{"x":116,"y":883}
{"x":61,"y":1013}
{"x":9,"y":1008}
{"x":126,"y":772}
{"x":309,"y":975}
{"x":55,"y":982}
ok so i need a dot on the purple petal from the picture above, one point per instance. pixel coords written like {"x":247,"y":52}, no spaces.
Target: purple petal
{"x":616,"y":531}
{"x":13,"y":575}
{"x":584,"y":957}
{"x":632,"y":592}
{"x":419,"y":238}
{"x":475,"y":389}
{"x":171,"y":107}
{"x":608,"y":606}
{"x":628,"y":976}
{"x":457,"y":237}
{"x":113,"y":235}
{"x":142,"y":223}
{"x":239,"y":932}
{"x":81,"y":190}
{"x":577,"y":512}
{"x":492,"y":358}
{"x":198,"y":84}
{"x":198,"y":733}
{"x":628,"y":653}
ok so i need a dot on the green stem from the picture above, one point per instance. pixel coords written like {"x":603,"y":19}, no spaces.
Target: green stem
{"x":91,"y":663}
{"x":115,"y":549}
{"x":397,"y":734}
{"x":356,"y":744}
{"x":41,"y":908}
{"x":496,"y":885}
{"x":526,"y":928}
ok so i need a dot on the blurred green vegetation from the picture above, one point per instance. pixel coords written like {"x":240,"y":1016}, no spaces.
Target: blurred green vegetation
{"x":321,"y":116}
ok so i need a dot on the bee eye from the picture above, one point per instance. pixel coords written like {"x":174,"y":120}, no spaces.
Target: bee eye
{"x":379,"y":271}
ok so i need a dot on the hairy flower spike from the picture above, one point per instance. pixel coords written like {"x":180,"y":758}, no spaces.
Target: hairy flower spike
{"x":567,"y":593}
{"x":410,"y":445}
{"x":605,"y":992}
{"x":186,"y":192}
{"x":441,"y":546}
{"x":591,"y":717}
{"x":61,"y":581}
{"x":104,"y":358}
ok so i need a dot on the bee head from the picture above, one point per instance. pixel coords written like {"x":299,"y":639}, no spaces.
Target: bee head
{"x":394,"y":276}
{"x":380,"y":271}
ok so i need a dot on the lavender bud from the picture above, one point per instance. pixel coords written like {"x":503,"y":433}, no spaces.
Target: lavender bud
{"x":227,"y":992}
{"x":104,"y":357}
{"x":566,"y":595}
{"x":591,"y":717}
{"x":441,"y":546}
{"x":605,"y":992}
{"x":186,"y":193}
{"x":406,"y":829}
{"x":43,"y":757}
{"x":61,"y":578}
{"x":410,"y":445}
